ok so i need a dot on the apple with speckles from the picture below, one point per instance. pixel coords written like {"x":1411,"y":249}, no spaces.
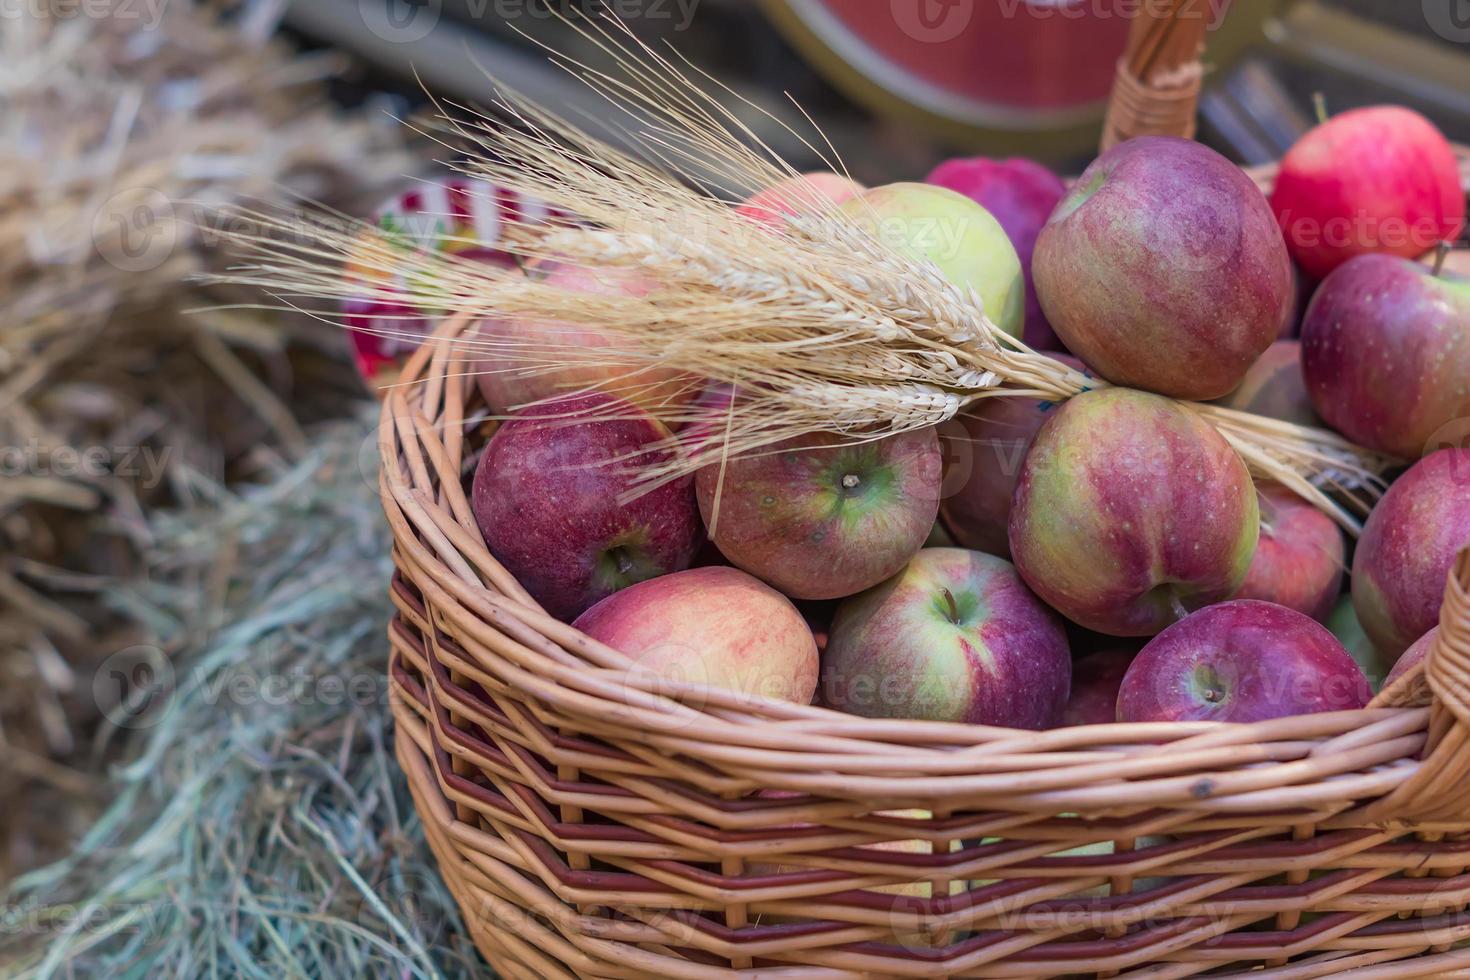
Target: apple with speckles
{"x":1164,"y":269}
{"x":1275,"y":387}
{"x":1408,"y":546}
{"x":1241,"y":661}
{"x":1131,"y":511}
{"x":1386,"y":354}
{"x":1300,"y":559}
{"x":822,"y":517}
{"x":955,"y":636}
{"x":714,"y":626}
{"x":547,"y":498}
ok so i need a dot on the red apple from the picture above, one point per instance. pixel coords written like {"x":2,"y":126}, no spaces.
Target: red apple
{"x":984,"y":449}
{"x":527,"y":361}
{"x":714,"y":626}
{"x":1164,"y":269}
{"x":1407,"y":548}
{"x":1381,"y":179}
{"x":1386,"y":353}
{"x":798,"y":195}
{"x":956,"y":636}
{"x":1300,"y":558}
{"x":546,"y":497}
{"x":1275,"y":387}
{"x":1096,"y":679}
{"x":1130,"y":510}
{"x":1414,"y":656}
{"x":820,"y":517}
{"x":1241,"y":661}
{"x":1020,"y":194}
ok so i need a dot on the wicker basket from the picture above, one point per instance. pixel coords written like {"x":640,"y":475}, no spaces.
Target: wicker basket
{"x":591,"y":825}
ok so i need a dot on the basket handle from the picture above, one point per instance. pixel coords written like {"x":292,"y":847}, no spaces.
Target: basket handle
{"x":1156,"y":89}
{"x":1440,"y":789}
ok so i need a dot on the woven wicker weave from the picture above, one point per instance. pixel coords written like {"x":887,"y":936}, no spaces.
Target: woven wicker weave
{"x":592,"y":825}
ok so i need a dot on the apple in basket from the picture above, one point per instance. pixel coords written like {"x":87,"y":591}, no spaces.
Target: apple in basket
{"x":1275,"y":387}
{"x":939,"y":227}
{"x":549,"y":497}
{"x":1020,"y":194}
{"x":1241,"y":661}
{"x":1096,"y":679}
{"x":798,"y":195}
{"x":956,"y":636}
{"x":1386,"y":353}
{"x":713,"y":626}
{"x":984,"y":449}
{"x":1413,"y":656}
{"x":1408,"y":547}
{"x":1164,"y":269}
{"x":819,"y":517}
{"x":1130,"y":511}
{"x":1379,"y":179}
{"x":1300,"y":559}
{"x":528,"y":360}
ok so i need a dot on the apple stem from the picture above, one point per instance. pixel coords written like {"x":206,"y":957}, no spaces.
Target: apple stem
{"x":1319,"y":106}
{"x":1179,"y":611}
{"x":954,"y":609}
{"x":1441,"y":252}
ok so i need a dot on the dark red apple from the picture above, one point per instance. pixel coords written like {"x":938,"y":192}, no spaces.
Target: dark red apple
{"x":1164,"y":269}
{"x":1381,"y":179}
{"x":1414,"y":656}
{"x":1021,"y":195}
{"x":1300,"y":558}
{"x":1241,"y":661}
{"x":1096,"y":679}
{"x":1408,"y":547}
{"x":1386,"y":353}
{"x":546,"y":495}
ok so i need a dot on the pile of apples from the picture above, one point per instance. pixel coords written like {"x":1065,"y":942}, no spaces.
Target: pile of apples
{"x":1036,"y":564}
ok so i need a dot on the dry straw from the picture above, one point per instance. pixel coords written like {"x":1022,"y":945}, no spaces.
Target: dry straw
{"x":820,"y":324}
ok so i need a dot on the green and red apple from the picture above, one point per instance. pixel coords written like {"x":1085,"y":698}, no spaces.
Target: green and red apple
{"x":822,"y":517}
{"x":956,"y":636}
{"x":1300,"y":559}
{"x":960,"y":239}
{"x":1241,"y":661}
{"x":1164,"y":269}
{"x":547,"y":498}
{"x":1132,"y":510}
{"x":713,"y":626}
{"x":1386,"y":353}
{"x":1343,"y":623}
{"x":1408,"y":546}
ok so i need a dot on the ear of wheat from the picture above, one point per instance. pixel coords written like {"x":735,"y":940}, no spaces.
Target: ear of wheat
{"x":818,"y":323}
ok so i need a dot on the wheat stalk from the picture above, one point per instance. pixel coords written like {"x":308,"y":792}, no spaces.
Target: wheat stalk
{"x":818,"y":323}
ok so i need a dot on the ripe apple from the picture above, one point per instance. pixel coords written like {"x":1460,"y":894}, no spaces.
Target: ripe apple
{"x":526,"y":360}
{"x":1380,"y":179}
{"x":1413,"y":656}
{"x":1096,"y":679}
{"x":1241,"y":661}
{"x":715,"y":626}
{"x":1407,"y":548}
{"x":1343,"y":624}
{"x":798,"y":195}
{"x":1300,"y":559}
{"x":546,"y":497}
{"x":1386,"y":353}
{"x":1020,"y":194}
{"x":1275,"y":387}
{"x":820,"y":517}
{"x":1163,"y":269}
{"x":984,"y":448}
{"x":955,"y":636}
{"x":959,"y":237}
{"x":1130,"y":511}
